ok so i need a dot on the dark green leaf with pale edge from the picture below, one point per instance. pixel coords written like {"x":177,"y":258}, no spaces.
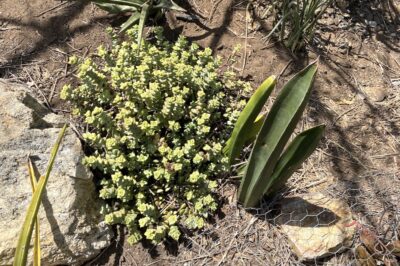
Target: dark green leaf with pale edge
{"x":115,"y":9}
{"x":143,"y":17}
{"x":132,"y":20}
{"x":131,"y":3}
{"x":255,"y":129}
{"x":247,"y":117}
{"x":274,"y":134}
{"x":295,"y":154}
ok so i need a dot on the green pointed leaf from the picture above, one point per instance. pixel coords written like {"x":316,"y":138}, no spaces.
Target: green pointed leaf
{"x":247,"y":117}
{"x":115,"y":9}
{"x":132,"y":20}
{"x":131,"y":3}
{"x":255,"y":128}
{"x":296,"y":153}
{"x":274,"y":134}
{"x":21,"y":252}
{"x":142,"y":21}
{"x":36,"y":244}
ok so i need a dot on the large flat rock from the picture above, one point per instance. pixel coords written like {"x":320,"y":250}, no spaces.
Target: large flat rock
{"x":317,"y":225}
{"x":71,"y":227}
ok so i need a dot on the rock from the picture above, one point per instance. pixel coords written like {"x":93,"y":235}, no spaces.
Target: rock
{"x":330,"y":10}
{"x":376,"y":94}
{"x":71,"y":228}
{"x":316,"y":225}
{"x":396,"y":82}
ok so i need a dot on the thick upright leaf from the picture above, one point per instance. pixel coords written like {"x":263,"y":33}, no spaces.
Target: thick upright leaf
{"x":115,"y":9}
{"x":131,"y":3}
{"x":247,"y":118}
{"x":21,"y":252}
{"x":274,"y":134}
{"x":143,"y":17}
{"x":132,"y":20}
{"x":36,"y":244}
{"x":255,"y":129}
{"x":295,"y":154}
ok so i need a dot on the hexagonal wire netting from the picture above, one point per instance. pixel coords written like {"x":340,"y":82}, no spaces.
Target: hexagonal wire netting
{"x":348,"y":223}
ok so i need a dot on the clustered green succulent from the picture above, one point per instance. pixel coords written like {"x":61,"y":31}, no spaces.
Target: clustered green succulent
{"x":157,"y":120}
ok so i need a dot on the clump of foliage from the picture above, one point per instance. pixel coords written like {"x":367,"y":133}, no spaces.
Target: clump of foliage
{"x":158,"y":118}
{"x":140,"y":10}
{"x":270,"y":165}
{"x":295,"y":20}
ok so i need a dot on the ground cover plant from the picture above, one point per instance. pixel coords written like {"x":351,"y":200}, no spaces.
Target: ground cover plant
{"x":158,"y":118}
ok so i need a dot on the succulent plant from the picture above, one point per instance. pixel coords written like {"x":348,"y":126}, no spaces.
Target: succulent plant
{"x":157,"y":121}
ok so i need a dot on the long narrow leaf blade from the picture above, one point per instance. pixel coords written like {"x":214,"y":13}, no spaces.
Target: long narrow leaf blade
{"x":247,"y":118}
{"x":132,"y":3}
{"x":36,"y":243}
{"x":255,"y":128}
{"x":278,"y":126}
{"x":296,"y":153}
{"x":132,"y":20}
{"x":142,"y":21}
{"x":21,"y":252}
{"x":115,"y":9}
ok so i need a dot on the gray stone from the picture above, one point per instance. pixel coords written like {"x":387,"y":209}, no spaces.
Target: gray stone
{"x":317,"y":225}
{"x":71,"y":227}
{"x":376,"y":94}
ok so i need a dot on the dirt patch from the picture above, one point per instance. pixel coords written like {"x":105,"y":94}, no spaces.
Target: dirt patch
{"x":37,"y":38}
{"x":357,"y":95}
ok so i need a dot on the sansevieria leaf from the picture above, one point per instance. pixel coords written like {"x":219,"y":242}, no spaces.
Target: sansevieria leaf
{"x":255,"y":128}
{"x":295,"y":154}
{"x":274,"y":134}
{"x":21,"y":252}
{"x":247,"y":117}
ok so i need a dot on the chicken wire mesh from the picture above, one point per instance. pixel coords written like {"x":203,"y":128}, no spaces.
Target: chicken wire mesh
{"x":352,"y":222}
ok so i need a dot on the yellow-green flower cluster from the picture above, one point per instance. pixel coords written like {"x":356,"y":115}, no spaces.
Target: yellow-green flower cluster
{"x":157,"y":121}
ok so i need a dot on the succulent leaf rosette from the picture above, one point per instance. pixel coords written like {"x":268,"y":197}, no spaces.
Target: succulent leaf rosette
{"x":157,"y":120}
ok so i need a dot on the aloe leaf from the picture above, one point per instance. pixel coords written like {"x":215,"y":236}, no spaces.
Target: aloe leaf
{"x":247,"y":117}
{"x":274,"y":134}
{"x":131,"y":3}
{"x":169,"y":4}
{"x":295,"y":154}
{"x":36,"y":243}
{"x":142,"y":21}
{"x":21,"y":252}
{"x":115,"y":9}
{"x":132,"y":20}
